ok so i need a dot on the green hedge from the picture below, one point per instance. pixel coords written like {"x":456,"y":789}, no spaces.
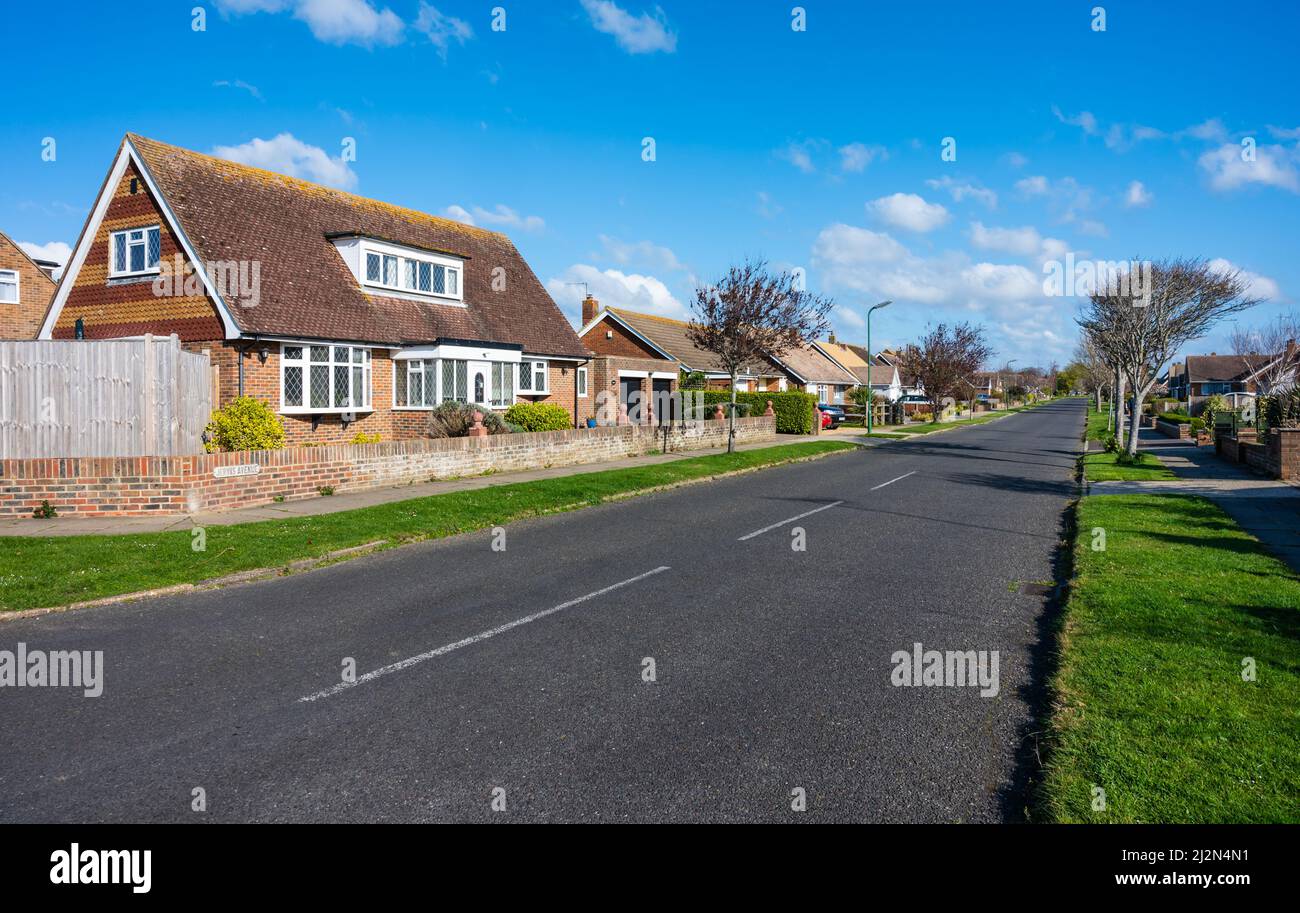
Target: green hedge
{"x":1178,"y":418}
{"x":539,"y":417}
{"x":794,"y":410}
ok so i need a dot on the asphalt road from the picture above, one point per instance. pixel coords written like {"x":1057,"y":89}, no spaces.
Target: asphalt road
{"x":772,"y":666}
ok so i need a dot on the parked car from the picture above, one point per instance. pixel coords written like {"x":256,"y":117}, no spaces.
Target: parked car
{"x":832,"y":416}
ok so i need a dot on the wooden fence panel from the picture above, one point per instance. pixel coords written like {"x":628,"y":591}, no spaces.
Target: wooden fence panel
{"x":102,"y":398}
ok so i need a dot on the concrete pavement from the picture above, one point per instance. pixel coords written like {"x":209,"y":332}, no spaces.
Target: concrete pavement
{"x":698,"y":654}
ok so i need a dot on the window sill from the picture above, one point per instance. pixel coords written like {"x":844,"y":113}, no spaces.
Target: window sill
{"x":359,"y":410}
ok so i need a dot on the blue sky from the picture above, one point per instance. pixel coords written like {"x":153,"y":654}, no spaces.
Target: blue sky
{"x":817,"y":149}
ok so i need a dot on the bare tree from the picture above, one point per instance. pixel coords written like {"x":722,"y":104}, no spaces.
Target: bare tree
{"x":1268,"y":352}
{"x":752,"y":314}
{"x":1097,"y":373}
{"x":1185,"y":298}
{"x":945,"y":360}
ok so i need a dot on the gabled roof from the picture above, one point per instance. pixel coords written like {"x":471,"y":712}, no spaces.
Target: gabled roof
{"x":854,"y":359}
{"x":1221,"y":368}
{"x":813,"y":366}
{"x":669,"y":336}
{"x":229,"y":211}
{"x":5,"y":239}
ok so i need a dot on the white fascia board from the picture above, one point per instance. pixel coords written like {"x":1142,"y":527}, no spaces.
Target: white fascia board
{"x":459,"y":353}
{"x":129,"y":155}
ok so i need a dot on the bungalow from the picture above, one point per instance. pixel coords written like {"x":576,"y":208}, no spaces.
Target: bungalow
{"x":1235,"y":377}
{"x":344,"y":314}
{"x":882,"y":376}
{"x":26,"y":288}
{"x":812,"y":369}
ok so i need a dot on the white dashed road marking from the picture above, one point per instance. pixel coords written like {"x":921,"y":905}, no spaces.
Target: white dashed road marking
{"x":473,"y":639}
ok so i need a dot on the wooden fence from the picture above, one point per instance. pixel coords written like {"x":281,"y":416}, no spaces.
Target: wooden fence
{"x":102,"y":398}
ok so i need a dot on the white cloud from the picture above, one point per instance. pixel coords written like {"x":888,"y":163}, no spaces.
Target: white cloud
{"x":331,"y":21}
{"x":855,"y":157}
{"x":800,"y":154}
{"x":286,"y":154}
{"x":847,"y":246}
{"x":239,"y":84}
{"x":645,"y":253}
{"x":1284,"y":133}
{"x":642,"y":34}
{"x":1015,"y":160}
{"x":1137,"y":195}
{"x":1094,"y":228}
{"x":1032,"y":186}
{"x":960,"y":190}
{"x":1084,"y":120}
{"x":441,"y":29}
{"x":1259,"y":286}
{"x":501,"y":215}
{"x":1211,"y":131}
{"x":909,"y":211}
{"x":633,"y":291}
{"x":1025,"y":241}
{"x":1274,"y":166}
{"x":55,"y":251}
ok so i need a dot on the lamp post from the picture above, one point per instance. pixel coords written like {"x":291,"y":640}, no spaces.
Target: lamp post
{"x":870,"y":395}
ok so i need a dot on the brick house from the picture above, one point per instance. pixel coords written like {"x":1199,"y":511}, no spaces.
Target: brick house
{"x":26,"y":288}
{"x":883,"y":376}
{"x":1235,"y":377}
{"x":344,"y":314}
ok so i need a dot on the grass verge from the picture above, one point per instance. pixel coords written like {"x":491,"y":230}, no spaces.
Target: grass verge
{"x":1104,"y":467}
{"x":40,"y":572}
{"x":1149,"y":701}
{"x":1098,"y":423}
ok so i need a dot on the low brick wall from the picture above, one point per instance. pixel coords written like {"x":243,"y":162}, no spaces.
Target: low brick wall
{"x":1171,"y":429}
{"x":221,"y":481}
{"x":1278,"y":457}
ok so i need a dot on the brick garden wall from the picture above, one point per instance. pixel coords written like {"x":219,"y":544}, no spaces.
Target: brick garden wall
{"x":177,"y":485}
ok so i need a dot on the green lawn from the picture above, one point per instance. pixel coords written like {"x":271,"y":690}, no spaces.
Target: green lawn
{"x":1102,"y":467}
{"x":1098,"y":423}
{"x":39,"y":572}
{"x":1149,"y":701}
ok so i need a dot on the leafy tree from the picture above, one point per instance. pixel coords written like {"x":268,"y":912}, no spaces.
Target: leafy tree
{"x":944,"y":361}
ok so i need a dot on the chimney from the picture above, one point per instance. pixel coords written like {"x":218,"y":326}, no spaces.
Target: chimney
{"x":832,"y":339}
{"x":590,"y":308}
{"x":1290,"y":349}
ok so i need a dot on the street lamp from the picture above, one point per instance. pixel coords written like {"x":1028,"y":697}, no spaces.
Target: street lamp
{"x":870,"y":395}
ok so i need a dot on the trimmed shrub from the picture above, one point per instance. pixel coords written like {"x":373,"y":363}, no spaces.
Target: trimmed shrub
{"x":539,"y":417}
{"x":362,"y":438}
{"x":1178,"y":418}
{"x":243,"y":424}
{"x":794,"y":409}
{"x":452,"y":419}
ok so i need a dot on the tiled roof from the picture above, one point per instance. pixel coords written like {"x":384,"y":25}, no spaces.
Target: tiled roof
{"x":670,"y":336}
{"x":233,"y":212}
{"x":1218,"y":367}
{"x":854,"y":359}
{"x":815,"y":367}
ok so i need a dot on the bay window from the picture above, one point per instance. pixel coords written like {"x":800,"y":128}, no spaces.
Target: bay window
{"x":324,"y":378}
{"x":503,"y":385}
{"x":135,"y":251}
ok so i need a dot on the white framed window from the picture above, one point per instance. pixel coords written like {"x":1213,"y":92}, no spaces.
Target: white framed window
{"x":134,"y":251}
{"x":533,"y":378}
{"x":410,"y":272}
{"x":317,"y":378}
{"x":581,"y":381}
{"x":415,"y":383}
{"x":454,"y":377}
{"x":8,"y":286}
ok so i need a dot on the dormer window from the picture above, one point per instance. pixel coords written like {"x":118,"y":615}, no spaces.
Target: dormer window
{"x":410,"y":272}
{"x":134,"y":251}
